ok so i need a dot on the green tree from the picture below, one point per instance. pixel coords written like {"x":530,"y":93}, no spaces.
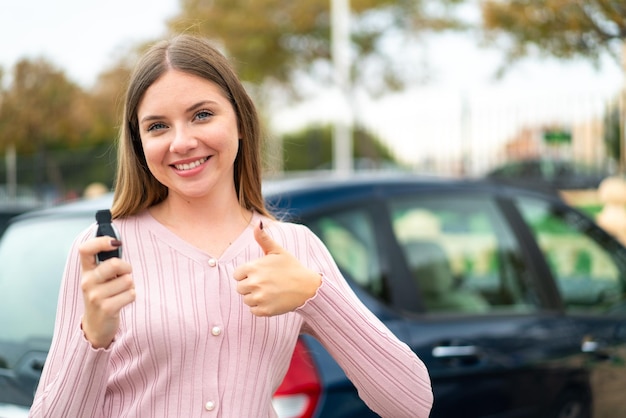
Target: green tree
{"x":613,"y":131}
{"x":565,"y":29}
{"x":106,"y":103}
{"x":42,"y":109}
{"x":560,"y":28}
{"x":281,"y":47}
{"x":280,"y":41}
{"x":311,"y":148}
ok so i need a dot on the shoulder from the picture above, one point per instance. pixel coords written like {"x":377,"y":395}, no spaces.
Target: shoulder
{"x":294,"y":237}
{"x":278,"y":228}
{"x":136,"y":224}
{"x":139,"y":218}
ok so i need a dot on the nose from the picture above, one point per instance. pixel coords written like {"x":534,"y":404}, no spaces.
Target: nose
{"x":183,"y":140}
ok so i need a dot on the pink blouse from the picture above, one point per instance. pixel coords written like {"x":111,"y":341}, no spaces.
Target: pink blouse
{"x":189,"y":347}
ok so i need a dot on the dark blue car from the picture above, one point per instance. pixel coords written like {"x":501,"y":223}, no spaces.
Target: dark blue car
{"x":514,"y":300}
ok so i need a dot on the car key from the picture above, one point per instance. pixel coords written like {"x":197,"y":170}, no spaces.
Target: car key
{"x":106,"y":228}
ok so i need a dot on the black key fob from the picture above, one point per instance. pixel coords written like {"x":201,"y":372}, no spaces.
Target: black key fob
{"x":106,"y":228}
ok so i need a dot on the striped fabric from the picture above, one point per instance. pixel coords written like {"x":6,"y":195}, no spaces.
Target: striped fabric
{"x":189,"y":347}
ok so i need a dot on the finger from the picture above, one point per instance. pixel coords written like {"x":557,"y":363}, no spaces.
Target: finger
{"x":243,"y":287}
{"x":250,"y":300}
{"x":108,"y":287}
{"x":268,"y":245}
{"x":98,"y":275}
{"x":241,"y":272}
{"x":110,"y":269}
{"x":93,"y":246}
{"x":118,"y":301}
{"x":117,"y":286}
{"x":109,"y":299}
{"x":260,"y":311}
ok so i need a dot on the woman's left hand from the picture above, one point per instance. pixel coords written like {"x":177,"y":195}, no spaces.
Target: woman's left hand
{"x":276,"y":283}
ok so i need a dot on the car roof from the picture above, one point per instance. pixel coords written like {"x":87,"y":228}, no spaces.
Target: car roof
{"x":319,"y":188}
{"x":70,"y":208}
{"x":328,"y":188}
{"x":328,"y":180}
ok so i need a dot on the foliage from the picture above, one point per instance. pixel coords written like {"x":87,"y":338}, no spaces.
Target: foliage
{"x":65,"y":171}
{"x":281,"y":43}
{"x":560,"y":28}
{"x":107,"y":98}
{"x":312,"y":148}
{"x":278,"y":41}
{"x":41,"y":107}
{"x":612,"y":132}
{"x":42,"y":112}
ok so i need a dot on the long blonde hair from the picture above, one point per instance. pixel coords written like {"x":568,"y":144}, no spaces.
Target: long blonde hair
{"x":135,"y":187}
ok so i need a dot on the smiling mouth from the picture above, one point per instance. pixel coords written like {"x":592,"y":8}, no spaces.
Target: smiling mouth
{"x":192,"y":165}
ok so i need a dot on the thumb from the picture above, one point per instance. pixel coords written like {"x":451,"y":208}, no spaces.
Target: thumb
{"x":268,"y":245}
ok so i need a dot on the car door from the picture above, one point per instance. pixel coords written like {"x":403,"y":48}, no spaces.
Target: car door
{"x":589,"y":268}
{"x":33,"y":252}
{"x":358,"y":240}
{"x":484,"y":326}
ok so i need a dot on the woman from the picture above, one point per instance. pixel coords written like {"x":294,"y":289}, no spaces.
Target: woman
{"x":200,"y":315}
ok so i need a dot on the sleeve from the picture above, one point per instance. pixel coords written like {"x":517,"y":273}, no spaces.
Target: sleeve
{"x":388,"y":375}
{"x":73,"y":381}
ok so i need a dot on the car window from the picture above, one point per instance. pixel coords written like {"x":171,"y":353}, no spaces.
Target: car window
{"x":463,"y":257}
{"x":588,"y":275}
{"x":532,"y":169}
{"x":32,"y":256}
{"x":349,"y":236}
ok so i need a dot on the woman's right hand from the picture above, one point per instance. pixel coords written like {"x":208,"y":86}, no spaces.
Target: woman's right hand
{"x":107,"y":287}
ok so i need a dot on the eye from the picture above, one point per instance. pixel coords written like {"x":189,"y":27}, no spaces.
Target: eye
{"x":156,"y":126}
{"x":203,"y":115}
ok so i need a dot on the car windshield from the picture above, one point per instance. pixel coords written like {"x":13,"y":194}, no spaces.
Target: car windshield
{"x":32,"y":255}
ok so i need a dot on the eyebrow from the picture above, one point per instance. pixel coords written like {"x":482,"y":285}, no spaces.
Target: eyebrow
{"x":189,"y":109}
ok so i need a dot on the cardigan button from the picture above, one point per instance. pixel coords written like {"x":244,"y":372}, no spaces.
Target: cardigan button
{"x":209,"y":406}
{"x":212,"y":262}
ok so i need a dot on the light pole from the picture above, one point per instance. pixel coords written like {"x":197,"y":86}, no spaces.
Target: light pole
{"x":10,"y":160}
{"x":340,"y":40}
{"x":622,"y":112}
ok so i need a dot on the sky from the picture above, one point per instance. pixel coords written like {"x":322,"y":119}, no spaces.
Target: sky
{"x":84,"y":38}
{"x":465,"y":109}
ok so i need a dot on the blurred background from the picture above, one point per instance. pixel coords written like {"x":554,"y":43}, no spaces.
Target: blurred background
{"x":446,"y":87}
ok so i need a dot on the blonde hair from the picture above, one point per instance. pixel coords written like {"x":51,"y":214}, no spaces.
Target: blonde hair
{"x":135,"y":187}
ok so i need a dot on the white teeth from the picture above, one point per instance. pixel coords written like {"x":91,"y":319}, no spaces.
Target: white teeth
{"x":190,"y":165}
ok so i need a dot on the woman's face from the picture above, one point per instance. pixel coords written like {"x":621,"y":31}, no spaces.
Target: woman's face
{"x":189,"y":135}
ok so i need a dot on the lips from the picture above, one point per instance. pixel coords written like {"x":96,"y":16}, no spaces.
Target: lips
{"x":190,"y":165}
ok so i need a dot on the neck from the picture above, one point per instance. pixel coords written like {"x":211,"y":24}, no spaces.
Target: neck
{"x":208,"y":224}
{"x":178,"y":209}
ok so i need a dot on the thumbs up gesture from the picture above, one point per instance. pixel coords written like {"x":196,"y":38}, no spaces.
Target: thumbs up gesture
{"x":276,"y":283}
